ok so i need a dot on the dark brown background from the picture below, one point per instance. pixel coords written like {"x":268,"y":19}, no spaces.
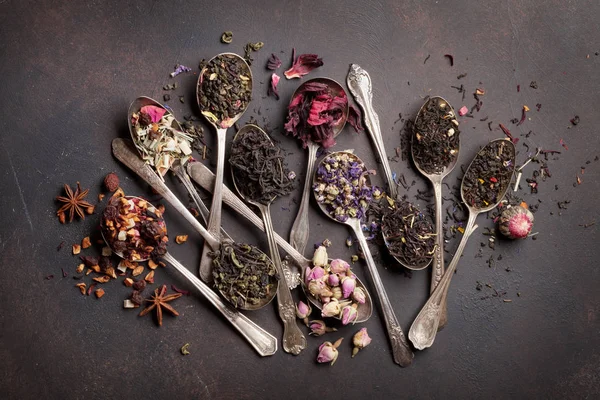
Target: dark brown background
{"x":68,"y":73}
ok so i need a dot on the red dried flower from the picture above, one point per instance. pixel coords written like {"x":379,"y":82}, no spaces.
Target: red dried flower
{"x":303,"y":65}
{"x":272,"y":90}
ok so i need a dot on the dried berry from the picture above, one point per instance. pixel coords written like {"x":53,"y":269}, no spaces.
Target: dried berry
{"x":139,"y":285}
{"x":111,"y":182}
{"x":136,"y":297}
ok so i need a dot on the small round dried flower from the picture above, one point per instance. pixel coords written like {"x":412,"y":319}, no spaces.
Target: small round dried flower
{"x":111,"y":182}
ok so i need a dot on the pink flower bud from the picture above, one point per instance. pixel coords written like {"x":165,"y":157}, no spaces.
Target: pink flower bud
{"x":359,"y":295}
{"x":331,"y":309}
{"x":302,"y":310}
{"x":360,"y":340}
{"x":349,"y":314}
{"x":348,"y":286}
{"x":307,"y":275}
{"x":333,"y":280}
{"x":316,"y":273}
{"x":328,"y":352}
{"x":320,"y":257}
{"x":318,"y":288}
{"x":337,"y":292}
{"x":339,"y":266}
{"x":318,"y":328}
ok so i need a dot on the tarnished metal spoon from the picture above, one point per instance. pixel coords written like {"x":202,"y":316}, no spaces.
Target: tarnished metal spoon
{"x":424,"y":328}
{"x":293,"y":338}
{"x":300,"y":229}
{"x":214,"y":220}
{"x":402,"y":353}
{"x":436,"y":179}
{"x":262,"y":341}
{"x":205,"y":178}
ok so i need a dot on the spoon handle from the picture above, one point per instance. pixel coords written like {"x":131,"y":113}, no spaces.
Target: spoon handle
{"x":124,"y":151}
{"x":359,"y":83}
{"x":424,"y":328}
{"x":300,"y":229}
{"x":401,"y":351}
{"x":262,"y":341}
{"x":205,"y":178}
{"x":293,"y":339}
{"x":216,"y":206}
{"x":202,"y":209}
{"x":438,"y":255}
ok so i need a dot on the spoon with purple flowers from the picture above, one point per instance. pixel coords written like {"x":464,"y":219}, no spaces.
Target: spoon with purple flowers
{"x":342,"y":189}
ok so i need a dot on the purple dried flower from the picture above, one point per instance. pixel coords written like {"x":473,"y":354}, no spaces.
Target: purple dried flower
{"x":273,"y":63}
{"x":180,"y":69}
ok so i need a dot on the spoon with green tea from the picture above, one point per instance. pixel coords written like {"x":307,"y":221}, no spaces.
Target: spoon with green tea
{"x":435,"y":147}
{"x":223,"y":92}
{"x":314,"y":134}
{"x":342,"y":189}
{"x":484,"y":185}
{"x":141,"y":216}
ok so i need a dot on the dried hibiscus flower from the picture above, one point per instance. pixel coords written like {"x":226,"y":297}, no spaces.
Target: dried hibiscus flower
{"x":273,"y":63}
{"x":272,"y":91}
{"x":303,"y":65}
{"x":355,"y":119}
{"x":314,"y":112}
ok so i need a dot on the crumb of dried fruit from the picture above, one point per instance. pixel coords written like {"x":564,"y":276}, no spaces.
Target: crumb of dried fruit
{"x":76,"y":249}
{"x":80,"y":268}
{"x":138,"y":270}
{"x":99,"y":293}
{"x":102,"y":279}
{"x":92,"y":286}
{"x":139,"y":285}
{"x":150,"y":277}
{"x":136,"y":297}
{"x":101,"y":197}
{"x":152,"y":264}
{"x":81,"y":287}
{"x":86,"y":242}
{"x":106,"y":251}
{"x":118,"y":193}
{"x":184,"y":349}
{"x":129,"y":304}
{"x":111,"y":182}
{"x":89,"y":271}
{"x":90,"y":210}
{"x":128,"y":282}
{"x":162,"y":264}
{"x":181,"y":239}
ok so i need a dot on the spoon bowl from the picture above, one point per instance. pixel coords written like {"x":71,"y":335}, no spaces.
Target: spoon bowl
{"x":401,"y":351}
{"x":424,"y":328}
{"x":214,"y":220}
{"x":300,"y":228}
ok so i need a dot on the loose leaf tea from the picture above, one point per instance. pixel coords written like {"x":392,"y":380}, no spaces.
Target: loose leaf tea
{"x":156,"y":136}
{"x":314,"y":112}
{"x":224,"y":89}
{"x":134,"y":228}
{"x":244,"y":274}
{"x":409,"y":234}
{"x":258,"y":167}
{"x":436,"y":136}
{"x":489,"y":174}
{"x":341,"y":184}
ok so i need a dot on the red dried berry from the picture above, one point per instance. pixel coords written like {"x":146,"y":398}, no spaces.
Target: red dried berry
{"x":111,"y":182}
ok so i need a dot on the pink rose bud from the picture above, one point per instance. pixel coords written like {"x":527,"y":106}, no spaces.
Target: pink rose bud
{"x":359,"y":295}
{"x":333,"y":280}
{"x":318,"y":328}
{"x":320,"y":257}
{"x":331,"y":309}
{"x":349,"y":314}
{"x":325,"y":299}
{"x":337,"y":292}
{"x":316,"y":273}
{"x":339,"y":266}
{"x":348,"y":286}
{"x":307,"y":275}
{"x":318,"y":288}
{"x":303,"y":310}
{"x":360,"y":340}
{"x":328,"y":352}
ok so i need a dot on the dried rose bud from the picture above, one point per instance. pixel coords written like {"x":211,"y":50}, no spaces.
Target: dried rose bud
{"x":303,"y":310}
{"x":333,"y":280}
{"x":320,"y":257}
{"x":348,"y":286}
{"x":516,"y":222}
{"x":328,"y":352}
{"x":318,"y":328}
{"x":319,"y":288}
{"x":339,"y":266}
{"x":360,"y":340}
{"x":337,"y":292}
{"x":359,"y":295}
{"x":111,"y":182}
{"x":349,"y":314}
{"x":331,"y":309}
{"x":316,"y":274}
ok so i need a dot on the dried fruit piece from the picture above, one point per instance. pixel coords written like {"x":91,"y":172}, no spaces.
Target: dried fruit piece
{"x":111,"y":182}
{"x":99,"y":293}
{"x":118,"y":193}
{"x":85,"y":243}
{"x":101,"y":196}
{"x":150,"y":277}
{"x":80,"y":268}
{"x":128,"y":282}
{"x":181,"y":239}
{"x":81,"y":287}
{"x":129,"y":304}
{"x":76,"y":249}
{"x":102,"y":279}
{"x":138,"y":270}
{"x":152,"y":264}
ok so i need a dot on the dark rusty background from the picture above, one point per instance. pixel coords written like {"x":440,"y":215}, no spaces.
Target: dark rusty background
{"x":68,"y":73}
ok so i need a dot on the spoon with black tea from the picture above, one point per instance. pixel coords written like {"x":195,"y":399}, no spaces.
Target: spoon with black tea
{"x":435,"y":147}
{"x":205,"y":178}
{"x":223,"y":92}
{"x":259,"y":177}
{"x":153,"y":229}
{"x":344,"y":173}
{"x":484,"y":185}
{"x":300,"y":117}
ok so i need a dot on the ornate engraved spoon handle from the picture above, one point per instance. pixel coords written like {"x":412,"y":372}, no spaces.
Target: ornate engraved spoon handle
{"x":359,"y":83}
{"x":262,"y":341}
{"x":300,"y":229}
{"x":401,"y":351}
{"x":424,"y":328}
{"x":438,"y":255}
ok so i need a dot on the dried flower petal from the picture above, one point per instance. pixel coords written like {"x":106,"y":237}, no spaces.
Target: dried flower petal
{"x":273,"y":63}
{"x":303,"y":65}
{"x":155,"y":113}
{"x":355,"y":119}
{"x":272,"y":90}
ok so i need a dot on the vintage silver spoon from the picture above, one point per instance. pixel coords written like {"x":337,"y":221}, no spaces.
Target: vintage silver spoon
{"x":293,"y":338}
{"x":424,"y":328}
{"x":262,"y":341}
{"x":214,"y":220}
{"x":205,"y":178}
{"x":436,"y":179}
{"x":402,"y":353}
{"x":300,"y":229}
{"x":359,"y":83}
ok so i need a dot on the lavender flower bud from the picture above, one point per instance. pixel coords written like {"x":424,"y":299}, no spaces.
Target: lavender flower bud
{"x":328,"y":352}
{"x":348,"y":286}
{"x":360,"y":340}
{"x":359,"y":295}
{"x":349,"y":314}
{"x":320,"y":257}
{"x":339,"y":266}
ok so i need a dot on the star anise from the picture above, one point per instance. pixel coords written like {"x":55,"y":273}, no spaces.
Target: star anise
{"x":74,"y":203}
{"x":159,"y":301}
